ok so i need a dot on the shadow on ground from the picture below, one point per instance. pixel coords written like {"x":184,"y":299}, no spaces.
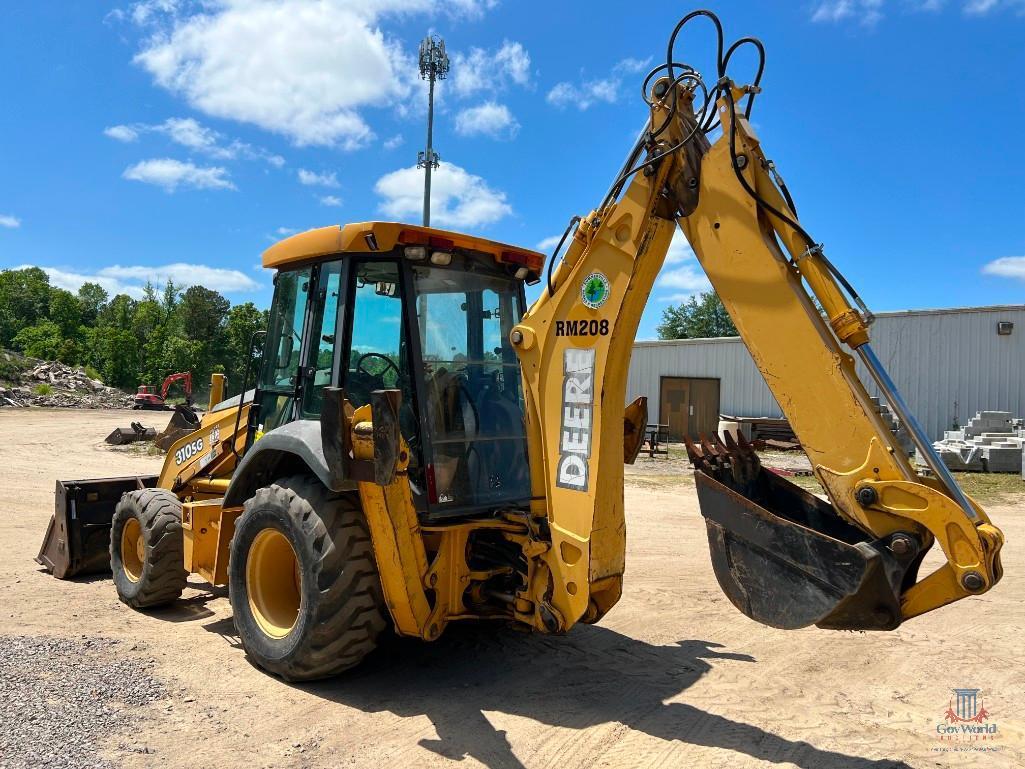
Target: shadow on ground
{"x":591,"y":676}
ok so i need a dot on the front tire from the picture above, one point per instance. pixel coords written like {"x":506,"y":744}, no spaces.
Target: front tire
{"x":303,"y":583}
{"x":147,"y":550}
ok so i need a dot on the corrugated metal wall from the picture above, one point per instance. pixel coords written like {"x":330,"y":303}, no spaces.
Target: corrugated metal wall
{"x":947,"y":363}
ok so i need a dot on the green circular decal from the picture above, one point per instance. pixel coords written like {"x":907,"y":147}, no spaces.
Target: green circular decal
{"x":595,"y":290}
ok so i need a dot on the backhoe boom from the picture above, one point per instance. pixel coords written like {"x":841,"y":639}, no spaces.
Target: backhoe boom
{"x":782,"y":556}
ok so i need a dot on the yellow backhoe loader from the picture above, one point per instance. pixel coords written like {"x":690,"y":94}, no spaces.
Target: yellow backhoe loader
{"x":416,"y":449}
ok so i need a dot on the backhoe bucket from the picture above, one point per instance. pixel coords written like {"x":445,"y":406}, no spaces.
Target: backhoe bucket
{"x":784,"y":557}
{"x":77,"y":539}
{"x":183,"y":421}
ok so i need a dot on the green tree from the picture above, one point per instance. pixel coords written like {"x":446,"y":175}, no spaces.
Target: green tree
{"x":243,"y":321}
{"x":118,"y":313}
{"x":43,"y":340}
{"x":92,"y":297}
{"x":24,"y":301}
{"x":114,"y":352}
{"x":66,"y":311}
{"x":202,"y":312}
{"x":127,"y":341}
{"x":155,"y":322}
{"x":699,"y":317}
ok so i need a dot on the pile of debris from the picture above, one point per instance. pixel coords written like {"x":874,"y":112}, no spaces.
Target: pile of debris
{"x":763,"y":432}
{"x":65,"y":387}
{"x":776,"y":433}
{"x":991,"y":442}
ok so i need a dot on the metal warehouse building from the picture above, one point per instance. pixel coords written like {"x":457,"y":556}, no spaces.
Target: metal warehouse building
{"x":948,"y":364}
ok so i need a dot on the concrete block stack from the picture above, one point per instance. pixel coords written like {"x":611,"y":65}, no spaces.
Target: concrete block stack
{"x":898,"y":430}
{"x":991,"y":442}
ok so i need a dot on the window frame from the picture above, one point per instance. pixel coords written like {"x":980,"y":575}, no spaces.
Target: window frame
{"x":315,"y":317}
{"x":271,"y":350}
{"x":438,"y":511}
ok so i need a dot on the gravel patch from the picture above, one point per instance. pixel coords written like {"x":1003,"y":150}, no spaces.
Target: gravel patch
{"x":61,"y":699}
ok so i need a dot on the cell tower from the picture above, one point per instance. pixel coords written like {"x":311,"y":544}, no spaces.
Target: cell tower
{"x":433,"y":66}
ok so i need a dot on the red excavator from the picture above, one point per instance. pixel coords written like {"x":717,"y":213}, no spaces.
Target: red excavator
{"x":146,"y":398}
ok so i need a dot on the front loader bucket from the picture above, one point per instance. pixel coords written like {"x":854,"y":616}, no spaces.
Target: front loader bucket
{"x":784,"y":557}
{"x":77,"y":539}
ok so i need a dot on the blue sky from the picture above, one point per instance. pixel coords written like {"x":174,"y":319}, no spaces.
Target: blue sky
{"x":173,"y":138}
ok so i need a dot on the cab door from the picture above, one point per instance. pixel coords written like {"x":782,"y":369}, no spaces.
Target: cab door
{"x":281,"y":375}
{"x":322,"y":353}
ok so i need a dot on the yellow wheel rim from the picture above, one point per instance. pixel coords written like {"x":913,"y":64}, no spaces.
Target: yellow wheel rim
{"x":273,"y":583}
{"x":133,"y":550}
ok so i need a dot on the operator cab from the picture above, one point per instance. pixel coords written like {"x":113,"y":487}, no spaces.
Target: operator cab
{"x":376,"y":306}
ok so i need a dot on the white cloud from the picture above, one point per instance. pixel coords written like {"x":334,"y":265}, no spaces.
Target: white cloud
{"x":131,"y":280}
{"x":982,"y":7}
{"x":314,"y":179}
{"x":685,"y":278}
{"x":149,"y":11}
{"x":546,"y":245}
{"x":304,"y":69}
{"x":482,"y":69}
{"x":631,"y":66}
{"x":171,"y":174}
{"x":487,"y":119}
{"x":331,"y":200}
{"x":458,"y":198}
{"x":9,"y":221}
{"x":679,"y":249}
{"x":869,"y":12}
{"x":1007,"y":267}
{"x":586,"y":93}
{"x":395,"y":142}
{"x":286,"y":231}
{"x":865,"y":12}
{"x":122,"y":133}
{"x":190,"y":133}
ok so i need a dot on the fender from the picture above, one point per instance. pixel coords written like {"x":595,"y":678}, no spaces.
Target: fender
{"x":294,"y":447}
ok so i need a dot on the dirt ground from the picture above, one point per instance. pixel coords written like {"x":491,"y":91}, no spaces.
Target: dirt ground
{"x":674,"y":676}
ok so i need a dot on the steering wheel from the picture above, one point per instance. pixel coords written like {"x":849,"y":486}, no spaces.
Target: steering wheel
{"x":390,"y":365}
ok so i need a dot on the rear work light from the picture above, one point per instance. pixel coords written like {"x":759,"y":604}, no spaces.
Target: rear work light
{"x":533,"y":262}
{"x":416,"y":253}
{"x":442,"y":258}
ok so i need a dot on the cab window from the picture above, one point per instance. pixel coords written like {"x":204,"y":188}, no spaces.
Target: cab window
{"x":473,"y":399}
{"x":378,"y":356}
{"x":322,"y":344}
{"x":283,"y":351}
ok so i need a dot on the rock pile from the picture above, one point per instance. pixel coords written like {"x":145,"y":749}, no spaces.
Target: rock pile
{"x":991,"y":442}
{"x":68,"y":387}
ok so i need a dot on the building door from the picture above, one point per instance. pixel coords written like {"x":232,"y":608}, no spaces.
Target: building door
{"x":689,"y":406}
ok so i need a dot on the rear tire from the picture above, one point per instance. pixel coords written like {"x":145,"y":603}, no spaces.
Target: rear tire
{"x":303,"y":582}
{"x":147,"y":550}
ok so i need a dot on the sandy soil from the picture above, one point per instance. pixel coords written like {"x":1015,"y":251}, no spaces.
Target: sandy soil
{"x":673,"y":677}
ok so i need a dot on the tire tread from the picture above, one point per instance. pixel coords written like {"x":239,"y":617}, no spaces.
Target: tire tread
{"x":164,"y":576}
{"x":350,"y":614}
